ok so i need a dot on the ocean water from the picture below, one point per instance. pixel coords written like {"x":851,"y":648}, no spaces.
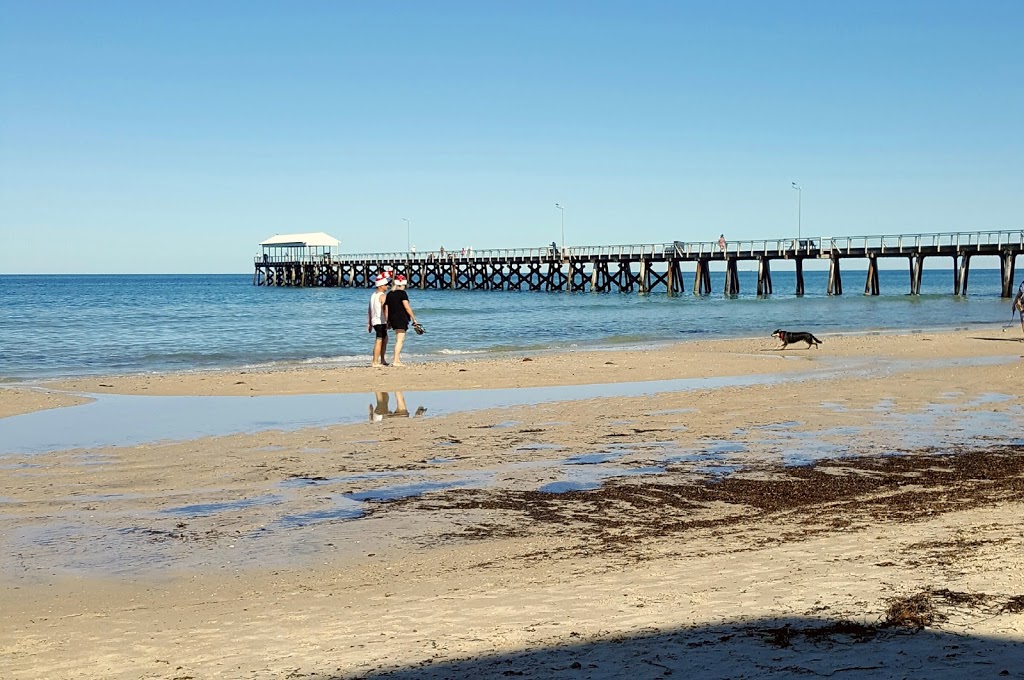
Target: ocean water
{"x":65,"y":325}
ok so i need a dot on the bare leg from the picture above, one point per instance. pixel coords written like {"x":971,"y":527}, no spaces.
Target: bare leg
{"x":378,"y":352}
{"x":400,"y":409}
{"x":399,"y":341}
{"x":384,"y":351}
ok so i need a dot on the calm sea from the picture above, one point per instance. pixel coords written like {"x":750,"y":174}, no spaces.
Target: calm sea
{"x":74,"y":325}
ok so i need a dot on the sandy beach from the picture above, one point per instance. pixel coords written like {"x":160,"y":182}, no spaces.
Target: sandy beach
{"x":856,"y":514}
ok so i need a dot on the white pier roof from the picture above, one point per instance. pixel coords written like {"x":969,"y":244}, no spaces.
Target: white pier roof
{"x":316,"y":239}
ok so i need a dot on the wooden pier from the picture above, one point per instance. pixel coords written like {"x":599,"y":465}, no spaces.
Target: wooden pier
{"x":646,"y":268}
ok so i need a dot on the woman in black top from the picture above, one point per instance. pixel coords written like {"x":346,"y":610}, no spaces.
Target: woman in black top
{"x":399,"y":315}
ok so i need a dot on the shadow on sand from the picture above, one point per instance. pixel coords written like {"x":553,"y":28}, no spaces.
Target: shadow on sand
{"x":998,"y":339}
{"x":776,"y":648}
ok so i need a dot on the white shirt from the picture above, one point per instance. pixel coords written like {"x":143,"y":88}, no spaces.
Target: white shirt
{"x":377,"y":308}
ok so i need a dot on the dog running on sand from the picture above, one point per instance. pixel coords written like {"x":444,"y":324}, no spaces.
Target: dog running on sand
{"x":795,"y":336}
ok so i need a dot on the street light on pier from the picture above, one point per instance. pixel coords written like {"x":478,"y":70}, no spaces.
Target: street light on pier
{"x":408,"y":237}
{"x":799,"y":200}
{"x":562,"y":211}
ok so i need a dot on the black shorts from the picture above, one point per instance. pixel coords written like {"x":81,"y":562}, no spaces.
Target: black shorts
{"x":401,"y":326}
{"x":382,"y":330}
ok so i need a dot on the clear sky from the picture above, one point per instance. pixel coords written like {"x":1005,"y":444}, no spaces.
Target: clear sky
{"x":174,"y":136}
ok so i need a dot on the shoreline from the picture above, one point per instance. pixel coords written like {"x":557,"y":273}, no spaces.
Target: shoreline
{"x":677,"y":359}
{"x":455,"y":356}
{"x":571,"y":367}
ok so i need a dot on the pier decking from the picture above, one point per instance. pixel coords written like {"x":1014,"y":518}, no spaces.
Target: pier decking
{"x":649,"y":267}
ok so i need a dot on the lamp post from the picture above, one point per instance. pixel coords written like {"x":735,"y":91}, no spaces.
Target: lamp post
{"x":562,"y":211}
{"x":408,"y":238}
{"x":799,"y":200}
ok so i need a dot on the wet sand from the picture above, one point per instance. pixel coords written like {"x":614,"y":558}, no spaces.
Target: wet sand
{"x":682,"y":360}
{"x":765,"y":530}
{"x":18,"y":400}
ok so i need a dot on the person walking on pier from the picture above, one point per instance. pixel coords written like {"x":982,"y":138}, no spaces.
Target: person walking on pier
{"x":377,"y":320}
{"x":399,"y":314}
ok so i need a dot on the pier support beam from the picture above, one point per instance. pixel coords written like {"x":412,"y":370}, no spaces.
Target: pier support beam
{"x":732,"y":278}
{"x":600,"y":279}
{"x":1007,"y":259}
{"x":799,"y":276}
{"x":675,"y":277}
{"x":965,"y":270}
{"x":871,"y":285}
{"x":702,"y":278}
{"x":764,"y":276}
{"x":625,"y":277}
{"x":556,"y":277}
{"x":534,"y":277}
{"x":835,"y":277}
{"x":578,"y":276}
{"x":916,"y":266}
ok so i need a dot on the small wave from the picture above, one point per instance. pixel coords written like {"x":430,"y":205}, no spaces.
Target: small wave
{"x":461,"y":351}
{"x":341,"y":359}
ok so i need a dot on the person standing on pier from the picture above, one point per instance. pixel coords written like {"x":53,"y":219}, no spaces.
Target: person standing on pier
{"x":377,"y":320}
{"x":721,"y":244}
{"x":399,"y":314}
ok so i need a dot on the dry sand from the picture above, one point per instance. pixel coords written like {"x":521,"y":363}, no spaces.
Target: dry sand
{"x":772,"y":571}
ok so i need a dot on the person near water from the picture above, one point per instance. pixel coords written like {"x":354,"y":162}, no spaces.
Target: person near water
{"x":377,"y":320}
{"x":1018,"y":306}
{"x":399,"y":314}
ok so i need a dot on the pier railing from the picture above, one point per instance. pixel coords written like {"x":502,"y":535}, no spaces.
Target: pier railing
{"x":611,"y":267}
{"x":813,"y":246}
{"x":913,"y":243}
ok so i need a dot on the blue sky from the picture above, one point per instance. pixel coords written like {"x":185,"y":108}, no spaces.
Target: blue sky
{"x":173,"y":137}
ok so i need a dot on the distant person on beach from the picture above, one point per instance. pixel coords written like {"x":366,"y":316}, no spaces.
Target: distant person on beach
{"x":1018,"y":306}
{"x":721,"y":244}
{"x":399,"y":314}
{"x":377,"y":320}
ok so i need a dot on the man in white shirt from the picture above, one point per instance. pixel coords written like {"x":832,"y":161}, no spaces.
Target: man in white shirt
{"x":377,"y":320}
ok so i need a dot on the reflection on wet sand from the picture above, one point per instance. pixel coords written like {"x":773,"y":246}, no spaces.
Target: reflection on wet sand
{"x":383,"y":408}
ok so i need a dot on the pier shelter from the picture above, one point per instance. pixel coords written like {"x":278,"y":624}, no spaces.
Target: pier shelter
{"x":297,"y":260}
{"x":644,"y":268}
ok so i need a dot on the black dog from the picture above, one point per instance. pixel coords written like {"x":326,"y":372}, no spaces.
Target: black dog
{"x":796,"y":336}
